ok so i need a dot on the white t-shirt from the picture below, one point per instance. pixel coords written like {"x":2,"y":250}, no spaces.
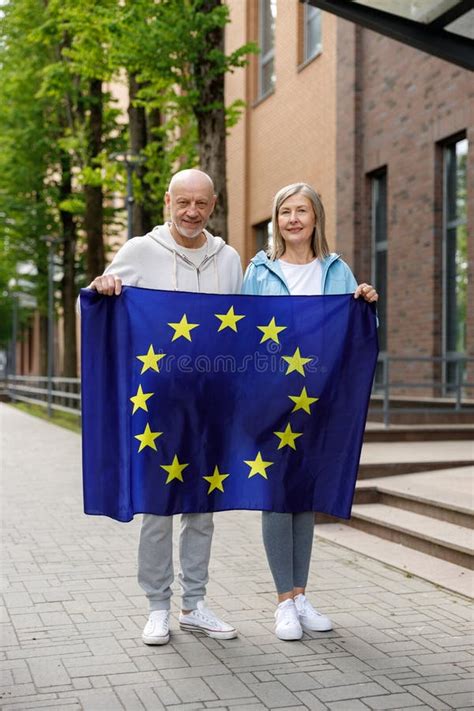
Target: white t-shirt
{"x":196,"y":256}
{"x":303,"y":279}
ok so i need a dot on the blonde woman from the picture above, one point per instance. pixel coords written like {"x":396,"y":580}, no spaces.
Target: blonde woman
{"x":298,"y":263}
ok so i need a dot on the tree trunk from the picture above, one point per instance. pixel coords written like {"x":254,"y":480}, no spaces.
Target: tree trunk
{"x":138,"y":141}
{"x":43,"y":343}
{"x":154,"y":208}
{"x":141,"y":126}
{"x":94,"y":214}
{"x":68,"y":292}
{"x":211,"y":123}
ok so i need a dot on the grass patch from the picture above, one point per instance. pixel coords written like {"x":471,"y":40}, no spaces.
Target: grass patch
{"x":63,"y":419}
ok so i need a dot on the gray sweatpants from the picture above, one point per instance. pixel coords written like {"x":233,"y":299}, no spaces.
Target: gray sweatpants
{"x":155,"y":558}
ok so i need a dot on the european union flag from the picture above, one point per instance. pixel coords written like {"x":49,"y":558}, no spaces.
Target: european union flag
{"x":207,"y":402}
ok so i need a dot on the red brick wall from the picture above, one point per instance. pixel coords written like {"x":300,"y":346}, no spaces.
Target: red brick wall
{"x":395,"y":105}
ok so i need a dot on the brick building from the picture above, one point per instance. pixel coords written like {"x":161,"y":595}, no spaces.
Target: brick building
{"x":382,"y":131}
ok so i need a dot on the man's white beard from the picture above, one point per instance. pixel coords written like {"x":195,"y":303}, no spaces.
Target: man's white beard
{"x":189,"y":234}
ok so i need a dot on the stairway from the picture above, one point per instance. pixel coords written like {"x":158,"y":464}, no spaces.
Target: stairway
{"x":422,"y":523}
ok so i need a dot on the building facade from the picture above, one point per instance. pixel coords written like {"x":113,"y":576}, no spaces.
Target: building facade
{"x":383,"y":132}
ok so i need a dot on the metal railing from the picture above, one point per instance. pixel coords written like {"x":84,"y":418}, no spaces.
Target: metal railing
{"x":63,"y":394}
{"x":456,"y":395}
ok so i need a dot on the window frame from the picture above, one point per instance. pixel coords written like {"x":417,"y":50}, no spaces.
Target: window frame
{"x":448,"y":150}
{"x":376,"y":247}
{"x":269,"y":57}
{"x":306,"y":58}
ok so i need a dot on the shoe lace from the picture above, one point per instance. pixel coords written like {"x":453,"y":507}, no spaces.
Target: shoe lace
{"x":287,"y":614}
{"x":206,"y":615}
{"x":161,"y":617}
{"x":306,"y":608}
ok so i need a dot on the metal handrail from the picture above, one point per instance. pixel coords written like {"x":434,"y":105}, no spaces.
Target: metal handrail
{"x":57,"y":396}
{"x":59,"y":393}
{"x":458,"y":387}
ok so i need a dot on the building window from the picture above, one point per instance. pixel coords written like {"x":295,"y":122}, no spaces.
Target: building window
{"x":379,"y":242}
{"x":454,"y":262}
{"x":263,"y":236}
{"x":311,"y":32}
{"x":266,"y":58}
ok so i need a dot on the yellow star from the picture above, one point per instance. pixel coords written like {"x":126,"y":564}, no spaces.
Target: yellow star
{"x":215,"y":481}
{"x":287,"y":438}
{"x":296,"y":362}
{"x":139,"y":400}
{"x":258,"y":466}
{"x":147,"y":438}
{"x":229,"y":320}
{"x":183,"y":328}
{"x":271,"y":331}
{"x":150,"y":360}
{"x":303,"y":401}
{"x":175,"y":469}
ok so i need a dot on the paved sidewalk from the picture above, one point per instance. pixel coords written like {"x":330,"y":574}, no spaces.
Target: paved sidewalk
{"x":73,"y":613}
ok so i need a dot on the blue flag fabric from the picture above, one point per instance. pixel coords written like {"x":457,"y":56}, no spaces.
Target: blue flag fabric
{"x":205,"y":402}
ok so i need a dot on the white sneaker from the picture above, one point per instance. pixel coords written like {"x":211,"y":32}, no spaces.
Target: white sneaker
{"x":205,"y":621}
{"x":311,"y":620}
{"x":287,"y":625}
{"x":157,"y":629}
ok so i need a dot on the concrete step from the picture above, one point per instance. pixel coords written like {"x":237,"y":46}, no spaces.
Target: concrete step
{"x":371,"y":470}
{"x":413,"y":562}
{"x":422,"y":410}
{"x":374,"y":432}
{"x":446,"y":495}
{"x":423,"y":506}
{"x":391,"y":458}
{"x":442,"y":539}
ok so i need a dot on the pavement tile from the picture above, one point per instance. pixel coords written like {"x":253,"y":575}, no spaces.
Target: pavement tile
{"x":460,"y":700}
{"x":298,"y":681}
{"x":35,"y":704}
{"x":98,"y":699}
{"x":228,"y":686}
{"x":432,"y":701}
{"x":443,"y":658}
{"x":351,"y":691}
{"x":392,"y":701}
{"x":196,"y":654}
{"x":48,"y":671}
{"x":273,"y":694}
{"x":192,"y":690}
{"x":8,"y":636}
{"x":440,"y":688}
{"x":249,"y":702}
{"x":16,"y":599}
{"x":310,"y":701}
{"x":17,"y":690}
{"x":73,"y":614}
{"x":347,"y":705}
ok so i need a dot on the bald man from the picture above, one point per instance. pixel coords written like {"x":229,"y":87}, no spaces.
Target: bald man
{"x":179,"y":255}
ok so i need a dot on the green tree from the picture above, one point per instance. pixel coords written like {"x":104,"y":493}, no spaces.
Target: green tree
{"x":175,"y":51}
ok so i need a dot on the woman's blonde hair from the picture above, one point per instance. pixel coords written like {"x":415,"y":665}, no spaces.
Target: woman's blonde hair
{"x":318,"y":242}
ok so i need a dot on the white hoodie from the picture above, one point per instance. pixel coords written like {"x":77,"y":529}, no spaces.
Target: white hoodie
{"x":156,"y":261}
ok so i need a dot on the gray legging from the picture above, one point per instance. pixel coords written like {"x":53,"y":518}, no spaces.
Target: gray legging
{"x":288,"y":539}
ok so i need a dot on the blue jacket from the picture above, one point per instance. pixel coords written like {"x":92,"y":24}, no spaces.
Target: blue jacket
{"x":264,"y":276}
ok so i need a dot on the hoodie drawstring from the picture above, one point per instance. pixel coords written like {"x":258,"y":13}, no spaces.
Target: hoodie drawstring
{"x":216,"y":271}
{"x":175,"y":272}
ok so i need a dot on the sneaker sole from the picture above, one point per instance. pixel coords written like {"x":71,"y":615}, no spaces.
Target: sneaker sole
{"x":289,"y":639}
{"x":215,"y":634}
{"x":310,"y":629}
{"x":155,"y":640}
